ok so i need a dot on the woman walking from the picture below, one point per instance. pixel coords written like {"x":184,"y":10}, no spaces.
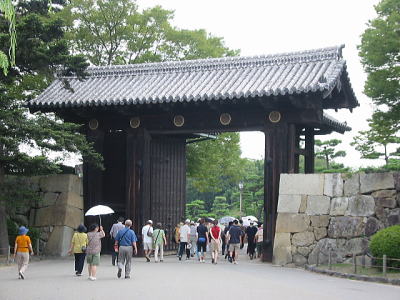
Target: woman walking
{"x":159,"y":242}
{"x":215,"y":234}
{"x":22,"y":248}
{"x":78,"y":247}
{"x":93,"y":250}
{"x":202,"y":238}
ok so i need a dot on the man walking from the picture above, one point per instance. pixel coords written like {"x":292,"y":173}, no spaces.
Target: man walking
{"x":251,"y":243}
{"x":147,"y":234}
{"x":235,"y":240}
{"x":113,"y":233}
{"x":126,"y":241}
{"x":184,"y":238}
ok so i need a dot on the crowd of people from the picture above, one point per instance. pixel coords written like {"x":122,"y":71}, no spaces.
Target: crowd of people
{"x":194,"y":240}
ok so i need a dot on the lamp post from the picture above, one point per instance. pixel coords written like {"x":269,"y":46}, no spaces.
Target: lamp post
{"x":240,"y":196}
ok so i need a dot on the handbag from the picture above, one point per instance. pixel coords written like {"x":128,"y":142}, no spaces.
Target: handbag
{"x":149,"y":234}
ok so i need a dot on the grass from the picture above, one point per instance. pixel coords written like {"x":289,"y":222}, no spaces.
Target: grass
{"x":373,"y":271}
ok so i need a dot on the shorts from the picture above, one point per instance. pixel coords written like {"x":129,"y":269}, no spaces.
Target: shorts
{"x":93,"y":259}
{"x":234,"y":247}
{"x":148,"y":246}
{"x":214,"y":246}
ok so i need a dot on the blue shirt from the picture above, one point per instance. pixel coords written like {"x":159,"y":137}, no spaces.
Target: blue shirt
{"x":128,"y":237}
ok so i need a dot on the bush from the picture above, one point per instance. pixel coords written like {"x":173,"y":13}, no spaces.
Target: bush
{"x":387,"y":241}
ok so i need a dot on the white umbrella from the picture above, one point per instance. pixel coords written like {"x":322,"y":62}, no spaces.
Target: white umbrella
{"x":226,"y":220}
{"x":248,"y":219}
{"x":99,"y":210}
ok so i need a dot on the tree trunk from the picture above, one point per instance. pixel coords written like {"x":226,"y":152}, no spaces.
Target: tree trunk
{"x":3,"y":219}
{"x":386,"y":156}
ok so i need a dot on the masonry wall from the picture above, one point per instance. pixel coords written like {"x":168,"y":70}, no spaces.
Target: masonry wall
{"x":318,"y":212}
{"x":56,"y":214}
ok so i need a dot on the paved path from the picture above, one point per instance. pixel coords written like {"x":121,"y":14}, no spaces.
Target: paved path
{"x":53,"y":280}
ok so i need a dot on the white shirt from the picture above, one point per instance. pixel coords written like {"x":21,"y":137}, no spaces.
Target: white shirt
{"x":145,"y":229}
{"x":185,"y":231}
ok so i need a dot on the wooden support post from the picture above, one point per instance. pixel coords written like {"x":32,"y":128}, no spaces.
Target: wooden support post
{"x":354,"y":263}
{"x":276,"y":162}
{"x":297,"y":155}
{"x":291,"y":148}
{"x":384,"y":265}
{"x":92,"y":176}
{"x":309,"y":147}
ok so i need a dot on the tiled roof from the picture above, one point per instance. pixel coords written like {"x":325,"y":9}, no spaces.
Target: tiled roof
{"x":333,"y":123}
{"x":200,"y":80}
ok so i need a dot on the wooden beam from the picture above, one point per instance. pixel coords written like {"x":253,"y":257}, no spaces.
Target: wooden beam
{"x":309,"y":148}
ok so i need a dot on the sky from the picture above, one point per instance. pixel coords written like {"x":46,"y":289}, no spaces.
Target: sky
{"x":258,"y":27}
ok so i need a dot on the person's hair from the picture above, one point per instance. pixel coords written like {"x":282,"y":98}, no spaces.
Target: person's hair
{"x":158,"y":225}
{"x":93,"y":226}
{"x":215,"y":222}
{"x":128,"y":223}
{"x":202,"y":221}
{"x":236,"y":222}
{"x":81,"y":228}
{"x":230,"y":223}
{"x":121,"y":219}
{"x":259,"y":225}
{"x":240,"y":221}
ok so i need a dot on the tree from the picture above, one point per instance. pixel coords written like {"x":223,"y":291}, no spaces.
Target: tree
{"x":115,"y":32}
{"x":8,"y":11}
{"x":380,"y":56}
{"x":373,"y":143}
{"x":326,"y":150}
{"x":220,"y":207}
{"x":214,"y":163}
{"x":195,"y":209}
{"x":40,"y":50}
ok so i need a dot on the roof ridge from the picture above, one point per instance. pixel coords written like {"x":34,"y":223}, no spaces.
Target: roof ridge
{"x":230,"y":62}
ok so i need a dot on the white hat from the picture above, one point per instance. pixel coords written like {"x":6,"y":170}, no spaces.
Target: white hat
{"x":150,"y":221}
{"x":187,"y":221}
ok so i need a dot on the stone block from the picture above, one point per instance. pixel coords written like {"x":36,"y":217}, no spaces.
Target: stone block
{"x":48,"y":199}
{"x":320,"y":233}
{"x":299,"y":260}
{"x":361,"y":206}
{"x":305,"y":250}
{"x":386,"y":202}
{"x":59,"y":241}
{"x":289,"y":203}
{"x":303,"y":239}
{"x":396,"y":178}
{"x":346,"y":227}
{"x":319,"y":221}
{"x":384,"y":194}
{"x":339,"y":206}
{"x":394,"y":217}
{"x":61,"y":183}
{"x":382,"y":213}
{"x":356,"y":246}
{"x":71,"y":199}
{"x":318,"y":205}
{"x":303,"y":205}
{"x":352,"y":185}
{"x":372,"y":226}
{"x":292,"y":223}
{"x":282,"y":254}
{"x":398,"y":199}
{"x":376,"y":181}
{"x":301,"y":184}
{"x":333,"y":185}
{"x":21,"y":220}
{"x":322,"y":249}
{"x":58,"y":216}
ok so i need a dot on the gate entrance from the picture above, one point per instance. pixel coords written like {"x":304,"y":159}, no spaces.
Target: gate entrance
{"x":140,"y":116}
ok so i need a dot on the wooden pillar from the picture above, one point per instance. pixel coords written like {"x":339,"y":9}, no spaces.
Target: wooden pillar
{"x":92,"y":176}
{"x":297,"y":154}
{"x":291,"y":148}
{"x":277,"y":143}
{"x":309,"y":148}
{"x":138,"y":197}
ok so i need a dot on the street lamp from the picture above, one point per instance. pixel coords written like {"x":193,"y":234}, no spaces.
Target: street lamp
{"x":240,"y":196}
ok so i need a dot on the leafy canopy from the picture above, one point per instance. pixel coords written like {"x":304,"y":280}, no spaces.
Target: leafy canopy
{"x":115,"y":32}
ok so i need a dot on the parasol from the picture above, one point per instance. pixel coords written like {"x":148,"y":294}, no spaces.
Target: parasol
{"x":99,"y":210}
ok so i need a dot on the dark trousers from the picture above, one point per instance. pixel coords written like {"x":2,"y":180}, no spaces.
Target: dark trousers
{"x":251,"y":247}
{"x":182,"y":247}
{"x":79,"y":262}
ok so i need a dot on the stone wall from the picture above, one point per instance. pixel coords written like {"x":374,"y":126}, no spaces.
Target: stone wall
{"x":318,"y":213}
{"x":56,"y":214}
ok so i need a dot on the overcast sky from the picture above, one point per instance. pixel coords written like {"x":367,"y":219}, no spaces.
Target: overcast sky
{"x":259,"y":27}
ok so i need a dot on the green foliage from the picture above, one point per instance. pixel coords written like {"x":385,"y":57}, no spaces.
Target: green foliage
{"x":195,"y":210}
{"x":12,"y":229}
{"x":214,"y":164}
{"x":8,"y":11}
{"x":380,"y":52}
{"x":18,"y":191}
{"x":116,"y":32}
{"x":220,"y":207}
{"x":326,"y":150}
{"x":373,"y":143}
{"x":387,"y":242}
